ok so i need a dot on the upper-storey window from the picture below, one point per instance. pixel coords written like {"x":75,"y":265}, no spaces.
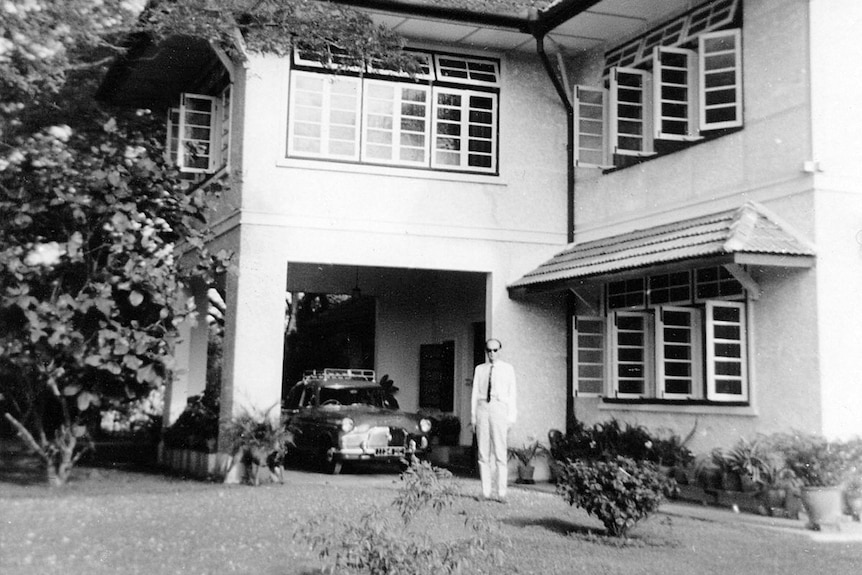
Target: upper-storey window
{"x":677,"y":84}
{"x":443,"y":118}
{"x":198,"y":133}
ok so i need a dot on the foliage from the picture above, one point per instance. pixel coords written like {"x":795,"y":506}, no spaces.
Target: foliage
{"x":814,"y":460}
{"x":447,"y":427}
{"x":424,"y":486}
{"x":197,"y":426}
{"x":528,"y":452}
{"x":377,"y":546}
{"x":618,"y":491}
{"x":607,"y":440}
{"x":93,"y":218}
{"x":140,"y":415}
{"x":255,"y":431}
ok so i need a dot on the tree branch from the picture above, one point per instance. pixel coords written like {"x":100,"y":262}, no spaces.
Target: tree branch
{"x":27,"y":437}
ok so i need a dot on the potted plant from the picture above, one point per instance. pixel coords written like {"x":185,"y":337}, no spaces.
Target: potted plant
{"x":525,"y":455}
{"x":449,"y":429}
{"x":256,"y":441}
{"x":747,"y":460}
{"x":777,"y":484}
{"x":821,"y":467}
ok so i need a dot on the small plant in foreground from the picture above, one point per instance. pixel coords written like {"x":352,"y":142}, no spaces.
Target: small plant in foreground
{"x":618,"y":492}
{"x":424,"y":486}
{"x":375,"y":545}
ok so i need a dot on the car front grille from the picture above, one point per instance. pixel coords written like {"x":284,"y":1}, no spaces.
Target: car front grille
{"x":399,"y":437}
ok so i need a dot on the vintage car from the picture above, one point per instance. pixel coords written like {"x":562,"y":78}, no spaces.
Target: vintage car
{"x":340,"y":415}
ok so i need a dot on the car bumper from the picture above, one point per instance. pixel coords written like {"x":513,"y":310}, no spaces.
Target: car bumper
{"x":382,"y":453}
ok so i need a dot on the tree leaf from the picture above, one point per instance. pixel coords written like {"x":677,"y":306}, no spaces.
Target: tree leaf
{"x":84,"y":400}
{"x":71,"y":389}
{"x":136,"y":298}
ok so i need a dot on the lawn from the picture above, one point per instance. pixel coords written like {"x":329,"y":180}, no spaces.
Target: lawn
{"x":111,"y":521}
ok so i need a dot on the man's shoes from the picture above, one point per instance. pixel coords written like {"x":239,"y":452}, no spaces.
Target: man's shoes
{"x":501,"y":500}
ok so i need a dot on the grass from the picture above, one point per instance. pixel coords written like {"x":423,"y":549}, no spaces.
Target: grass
{"x":112,"y":520}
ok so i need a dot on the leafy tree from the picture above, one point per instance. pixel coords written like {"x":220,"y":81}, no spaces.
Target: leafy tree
{"x":95,"y":222}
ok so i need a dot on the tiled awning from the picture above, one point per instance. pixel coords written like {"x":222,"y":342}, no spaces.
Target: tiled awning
{"x":746,"y":235}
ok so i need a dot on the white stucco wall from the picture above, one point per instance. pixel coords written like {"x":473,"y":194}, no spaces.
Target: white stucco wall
{"x":494,"y":228}
{"x":837,"y":141}
{"x":801,"y":104}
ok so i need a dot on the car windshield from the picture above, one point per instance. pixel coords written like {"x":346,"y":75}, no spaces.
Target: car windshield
{"x":351,"y":395}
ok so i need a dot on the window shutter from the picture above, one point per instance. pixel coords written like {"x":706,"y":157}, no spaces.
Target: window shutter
{"x":324,"y":116}
{"x":396,"y":123}
{"x":224,"y":127}
{"x":465,"y":130}
{"x":591,"y":148}
{"x":677,"y":347}
{"x":589,"y":356}
{"x":630,"y":344}
{"x":172,"y":145}
{"x":630,"y":114}
{"x":196,"y":143}
{"x":720,"y":79}
{"x":726,"y":351}
{"x":674,"y":94}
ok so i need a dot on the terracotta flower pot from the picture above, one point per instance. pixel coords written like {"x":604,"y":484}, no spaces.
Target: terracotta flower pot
{"x":525,"y":474}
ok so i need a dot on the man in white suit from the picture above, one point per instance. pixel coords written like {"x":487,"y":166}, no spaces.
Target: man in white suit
{"x":493,"y":412}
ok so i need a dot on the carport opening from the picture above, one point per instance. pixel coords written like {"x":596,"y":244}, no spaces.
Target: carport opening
{"x":326,"y":330}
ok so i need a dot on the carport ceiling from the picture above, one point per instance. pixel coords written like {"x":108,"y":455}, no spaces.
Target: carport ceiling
{"x":608,"y":20}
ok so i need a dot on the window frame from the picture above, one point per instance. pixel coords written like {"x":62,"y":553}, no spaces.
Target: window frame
{"x":327,"y":81}
{"x":644,"y":118}
{"x":397,"y":116}
{"x":704,"y":106}
{"x":580,"y":118}
{"x":662,"y":105}
{"x":695,"y":360}
{"x":601,"y":334}
{"x":464,"y":122}
{"x":711,"y":359}
{"x":647,"y":357}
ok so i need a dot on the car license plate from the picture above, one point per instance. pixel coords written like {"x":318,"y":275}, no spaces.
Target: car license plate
{"x":382,"y":451}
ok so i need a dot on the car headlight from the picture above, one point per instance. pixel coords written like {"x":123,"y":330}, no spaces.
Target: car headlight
{"x":346,"y":425}
{"x":425,"y":425}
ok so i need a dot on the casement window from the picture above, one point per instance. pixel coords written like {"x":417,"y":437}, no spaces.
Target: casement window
{"x":630,"y":119}
{"x":395,"y":123}
{"x":660,"y":341}
{"x":720,"y":78}
{"x":589,"y":364}
{"x":678,"y":83}
{"x":324,"y":111}
{"x":591,"y":127}
{"x":198,"y":133}
{"x":675,"y":93}
{"x":429,"y":121}
{"x":465,"y":135}
{"x":726,"y":345}
{"x":631,"y":341}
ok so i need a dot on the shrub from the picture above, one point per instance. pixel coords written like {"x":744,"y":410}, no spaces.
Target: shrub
{"x":814,"y":460}
{"x":618,"y":492}
{"x":424,"y":486}
{"x":197,"y":426}
{"x":607,"y":440}
{"x":375,"y":545}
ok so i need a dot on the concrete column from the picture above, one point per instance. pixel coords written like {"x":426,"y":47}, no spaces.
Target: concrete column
{"x":254,"y":334}
{"x":190,"y":353}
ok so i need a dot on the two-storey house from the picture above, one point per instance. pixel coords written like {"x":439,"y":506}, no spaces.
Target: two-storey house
{"x":655,"y":206}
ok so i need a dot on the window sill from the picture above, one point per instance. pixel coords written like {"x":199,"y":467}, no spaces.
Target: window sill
{"x":390,"y":171}
{"x":678,"y":406}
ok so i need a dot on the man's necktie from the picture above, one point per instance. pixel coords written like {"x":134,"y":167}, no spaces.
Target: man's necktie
{"x":490,"y":376}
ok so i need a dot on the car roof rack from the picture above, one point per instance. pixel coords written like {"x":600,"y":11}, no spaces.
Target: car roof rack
{"x":331,"y":373}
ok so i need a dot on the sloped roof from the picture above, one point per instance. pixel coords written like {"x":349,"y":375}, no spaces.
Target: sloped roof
{"x":750,"y":229}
